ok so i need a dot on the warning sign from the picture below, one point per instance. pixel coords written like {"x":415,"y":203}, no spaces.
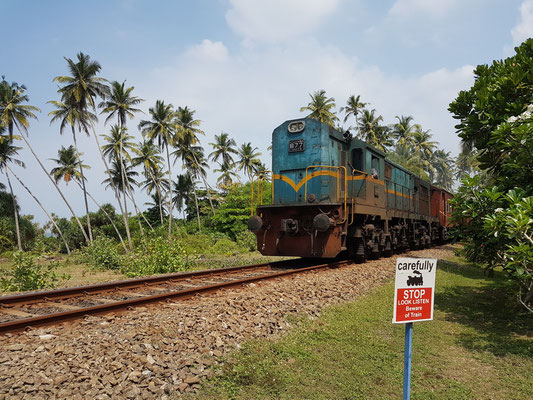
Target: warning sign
{"x":414,"y":290}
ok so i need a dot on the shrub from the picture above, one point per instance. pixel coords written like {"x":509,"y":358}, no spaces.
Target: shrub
{"x":247,"y":240}
{"x":102,"y":254}
{"x":157,"y":256}
{"x":26,"y":275}
{"x":225,"y":247}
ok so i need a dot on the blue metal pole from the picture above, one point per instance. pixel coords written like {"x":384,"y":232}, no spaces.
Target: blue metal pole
{"x":407,"y":361}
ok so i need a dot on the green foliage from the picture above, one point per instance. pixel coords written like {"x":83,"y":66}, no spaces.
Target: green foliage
{"x":234,"y":210}
{"x":157,"y":256}
{"x":225,"y":247}
{"x":489,"y":116}
{"x":102,"y":254}
{"x":7,"y":234}
{"x":494,"y":210}
{"x":246,"y":240}
{"x":27,"y":275}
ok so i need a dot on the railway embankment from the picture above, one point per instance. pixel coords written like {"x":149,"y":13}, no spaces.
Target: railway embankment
{"x":169,"y":349}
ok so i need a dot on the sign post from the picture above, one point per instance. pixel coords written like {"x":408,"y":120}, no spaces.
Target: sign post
{"x":414,"y":294}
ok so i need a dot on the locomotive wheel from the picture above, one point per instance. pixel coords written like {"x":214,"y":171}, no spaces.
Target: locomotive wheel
{"x":356,"y":250}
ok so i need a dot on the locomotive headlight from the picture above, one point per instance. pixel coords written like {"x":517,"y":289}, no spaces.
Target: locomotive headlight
{"x":255,"y":223}
{"x":296,"y":126}
{"x":321,"y":222}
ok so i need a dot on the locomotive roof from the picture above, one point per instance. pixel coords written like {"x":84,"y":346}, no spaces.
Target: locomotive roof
{"x":360,"y":143}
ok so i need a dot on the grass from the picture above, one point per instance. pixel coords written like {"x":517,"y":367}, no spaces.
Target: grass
{"x":81,"y":274}
{"x":479,"y":346}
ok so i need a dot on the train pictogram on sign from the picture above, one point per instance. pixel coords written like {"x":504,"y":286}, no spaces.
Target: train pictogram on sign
{"x":414,"y":290}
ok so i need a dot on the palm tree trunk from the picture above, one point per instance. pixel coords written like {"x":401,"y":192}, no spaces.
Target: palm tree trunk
{"x":209,"y":195}
{"x":42,"y":207}
{"x":197,"y":210}
{"x":56,"y":186}
{"x":123,"y":178}
{"x":17,"y":227}
{"x":138,"y":211}
{"x":170,"y":195}
{"x":117,"y":196}
{"x":158,"y":189}
{"x":108,"y":217}
{"x":206,"y":186}
{"x":84,"y":189}
{"x":128,"y":194}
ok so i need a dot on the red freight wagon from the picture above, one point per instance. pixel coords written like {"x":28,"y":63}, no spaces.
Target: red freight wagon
{"x":440,"y":206}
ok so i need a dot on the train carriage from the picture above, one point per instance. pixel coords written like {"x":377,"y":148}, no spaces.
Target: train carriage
{"x":333,"y":193}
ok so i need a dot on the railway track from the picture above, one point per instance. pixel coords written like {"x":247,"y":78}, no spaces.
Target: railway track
{"x":22,"y":311}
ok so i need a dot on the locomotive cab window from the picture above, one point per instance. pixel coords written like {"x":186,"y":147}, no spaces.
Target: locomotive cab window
{"x":357,"y":160}
{"x":376,"y":173}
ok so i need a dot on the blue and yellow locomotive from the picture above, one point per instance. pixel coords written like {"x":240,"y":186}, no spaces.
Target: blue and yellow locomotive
{"x":332,"y":193}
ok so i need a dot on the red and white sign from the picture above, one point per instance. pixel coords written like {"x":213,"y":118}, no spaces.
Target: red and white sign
{"x":414,"y":290}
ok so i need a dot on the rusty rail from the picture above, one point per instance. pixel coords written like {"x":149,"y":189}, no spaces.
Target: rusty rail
{"x":53,"y":318}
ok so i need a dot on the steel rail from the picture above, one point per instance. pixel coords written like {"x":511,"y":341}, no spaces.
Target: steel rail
{"x":55,"y":294}
{"x":47,"y":319}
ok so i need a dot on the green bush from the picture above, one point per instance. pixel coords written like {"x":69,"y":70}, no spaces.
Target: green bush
{"x":26,"y":275}
{"x":226,"y":247}
{"x":247,"y":240}
{"x":157,"y":256}
{"x":102,"y":254}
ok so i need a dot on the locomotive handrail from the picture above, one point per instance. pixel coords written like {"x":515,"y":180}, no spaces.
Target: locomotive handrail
{"x":337,"y":168}
{"x":357,"y":195}
{"x":262,"y":175}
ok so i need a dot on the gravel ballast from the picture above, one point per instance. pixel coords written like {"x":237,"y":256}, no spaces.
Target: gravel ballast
{"x":167,"y":349}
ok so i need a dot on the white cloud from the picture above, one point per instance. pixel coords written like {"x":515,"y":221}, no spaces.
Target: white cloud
{"x":277,"y":20}
{"x":252,"y":92}
{"x":409,"y":8}
{"x":524,"y":29}
{"x":208,"y":50}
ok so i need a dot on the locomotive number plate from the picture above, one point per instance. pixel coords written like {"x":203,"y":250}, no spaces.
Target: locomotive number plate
{"x":296,"y":146}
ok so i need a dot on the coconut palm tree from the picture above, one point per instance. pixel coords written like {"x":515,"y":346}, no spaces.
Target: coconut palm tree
{"x":409,"y":160}
{"x":68,"y":165}
{"x":187,"y":131}
{"x":161,"y":127}
{"x":227,"y":174}
{"x":183,"y":188}
{"x":422,"y":143}
{"x":373,"y":132}
{"x":248,"y":160}
{"x":149,"y":157}
{"x":117,"y":148}
{"x":7,"y":153}
{"x":80,"y":91}
{"x":322,"y":108}
{"x":118,"y":144}
{"x":187,"y":128}
{"x":195,"y":164}
{"x":353,"y":106}
{"x":402,"y":131}
{"x":120,"y":103}
{"x":466,"y":162}
{"x":424,"y":146}
{"x":223,"y":148}
{"x":15,"y":114}
{"x":443,"y":164}
{"x":67,"y":114}
{"x":115,"y":175}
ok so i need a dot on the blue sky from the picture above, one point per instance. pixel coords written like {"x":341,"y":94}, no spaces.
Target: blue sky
{"x":245,"y":66}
